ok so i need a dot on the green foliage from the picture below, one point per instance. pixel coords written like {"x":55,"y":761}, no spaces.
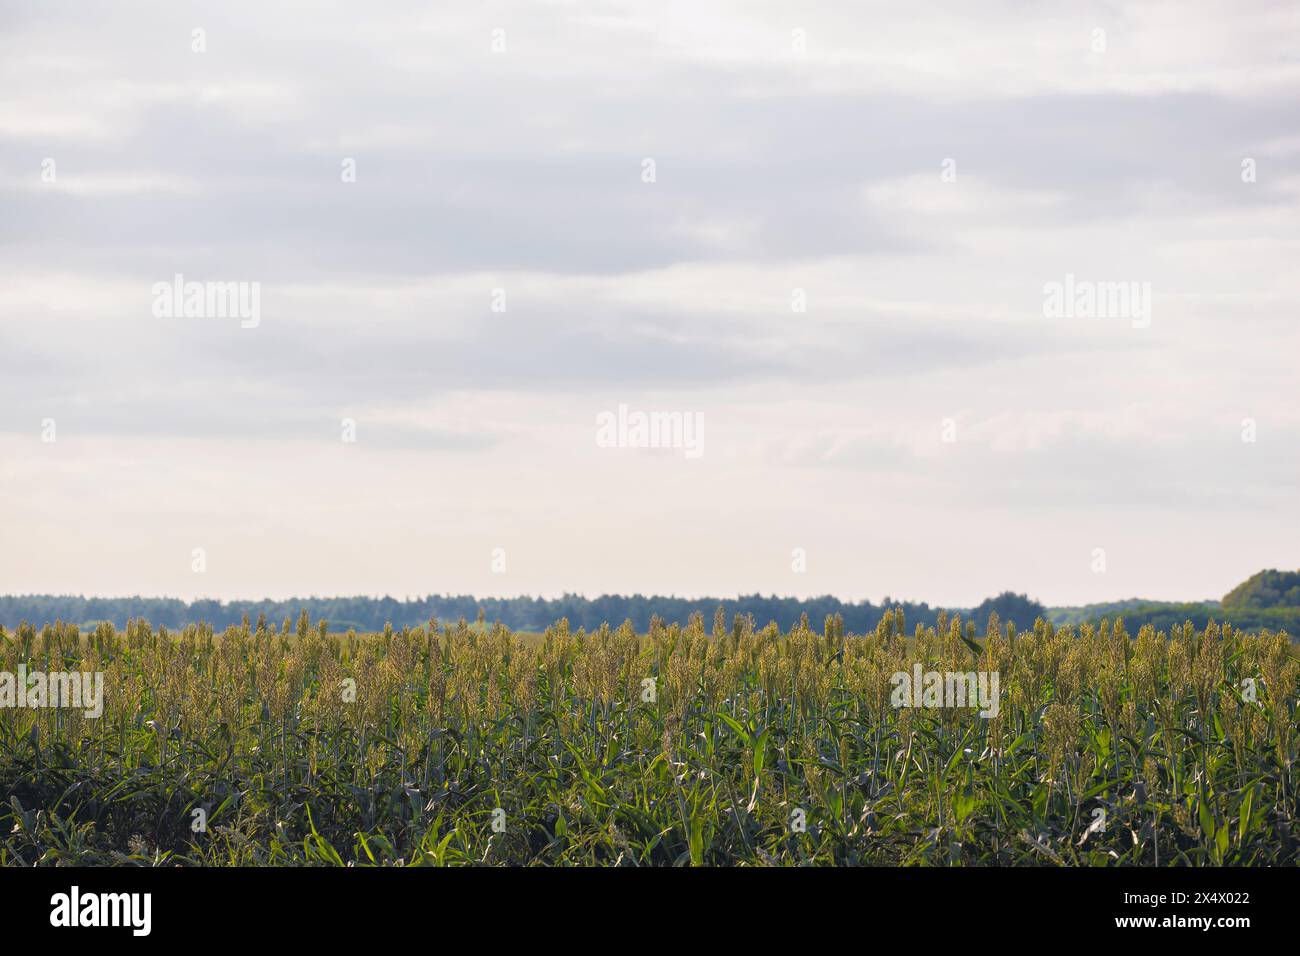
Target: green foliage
{"x":534,"y":614}
{"x":463,"y":743}
{"x":1019,"y":609}
{"x":1165,"y":615}
{"x":521,"y":613}
{"x":1267,"y":589}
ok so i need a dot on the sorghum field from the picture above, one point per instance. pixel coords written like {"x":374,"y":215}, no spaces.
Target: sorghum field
{"x":465,"y":744}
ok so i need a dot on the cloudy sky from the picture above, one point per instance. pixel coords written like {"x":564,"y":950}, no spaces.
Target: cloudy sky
{"x":835,"y":263}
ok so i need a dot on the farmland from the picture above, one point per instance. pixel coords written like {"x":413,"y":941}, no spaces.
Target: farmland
{"x":465,"y":743}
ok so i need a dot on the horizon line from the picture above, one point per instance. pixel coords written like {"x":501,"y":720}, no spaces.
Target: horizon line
{"x":886,"y":601}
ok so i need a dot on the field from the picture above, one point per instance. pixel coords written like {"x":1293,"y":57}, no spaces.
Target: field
{"x":464,"y":744}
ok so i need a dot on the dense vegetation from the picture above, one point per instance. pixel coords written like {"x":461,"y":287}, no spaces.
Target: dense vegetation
{"x":518,"y":613}
{"x":1267,"y":589}
{"x":1164,"y":615}
{"x":535,"y":614}
{"x":465,"y":743}
{"x":1269,"y":600}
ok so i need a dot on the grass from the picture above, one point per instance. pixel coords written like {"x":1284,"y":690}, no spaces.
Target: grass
{"x":464,"y":744}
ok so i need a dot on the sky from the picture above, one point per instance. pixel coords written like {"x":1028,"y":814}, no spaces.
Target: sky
{"x":824,"y":236}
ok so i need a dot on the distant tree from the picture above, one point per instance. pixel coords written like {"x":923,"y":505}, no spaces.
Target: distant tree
{"x":1265,"y":589}
{"x":1009,"y":606}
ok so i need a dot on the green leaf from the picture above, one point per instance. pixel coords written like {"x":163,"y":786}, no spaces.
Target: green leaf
{"x":1221,"y":842}
{"x":964,"y":804}
{"x":736,"y":726}
{"x":760,"y":753}
{"x":1243,"y":825}
{"x":1207,"y":818}
{"x":697,"y":841}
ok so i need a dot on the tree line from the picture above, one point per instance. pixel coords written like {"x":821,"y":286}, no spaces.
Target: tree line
{"x":518,"y":613}
{"x":536,"y":613}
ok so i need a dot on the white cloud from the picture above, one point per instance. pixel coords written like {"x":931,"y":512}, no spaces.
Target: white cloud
{"x":783,"y":176}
